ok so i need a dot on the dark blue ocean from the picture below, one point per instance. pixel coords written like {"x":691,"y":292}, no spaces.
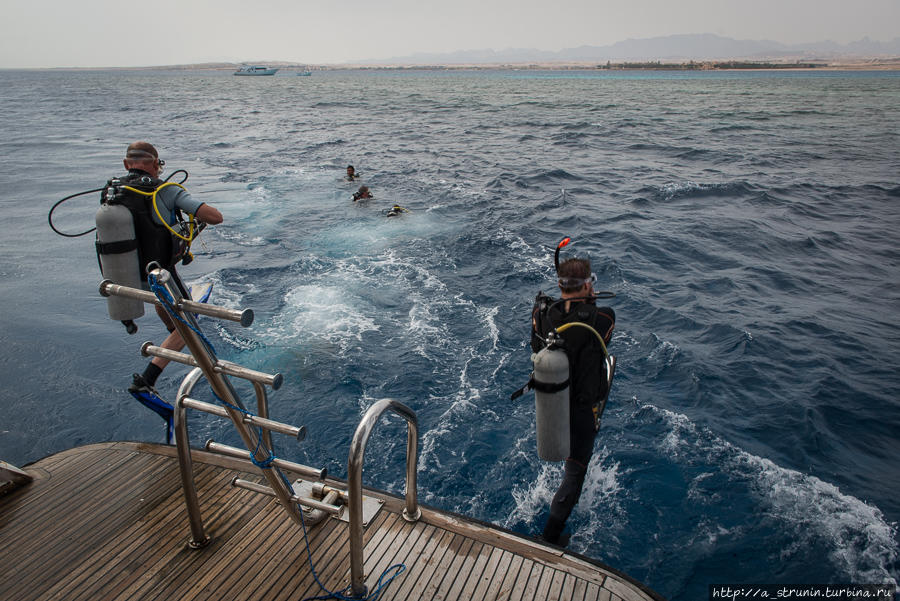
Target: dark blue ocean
{"x":747,"y":223}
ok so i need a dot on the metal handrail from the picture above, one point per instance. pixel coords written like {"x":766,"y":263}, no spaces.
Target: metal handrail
{"x":245,"y":317}
{"x":223,"y":367}
{"x":354,"y":481}
{"x":186,"y":464}
{"x":223,"y":390}
{"x":312,"y":473}
{"x":259,"y":444}
{"x":207,"y":363}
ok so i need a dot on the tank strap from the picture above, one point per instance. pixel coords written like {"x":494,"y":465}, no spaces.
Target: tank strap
{"x":549,"y":387}
{"x":116,"y":248}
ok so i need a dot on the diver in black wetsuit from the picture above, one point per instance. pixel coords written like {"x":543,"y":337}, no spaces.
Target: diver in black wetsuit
{"x":587,"y":376}
{"x":395,"y":210}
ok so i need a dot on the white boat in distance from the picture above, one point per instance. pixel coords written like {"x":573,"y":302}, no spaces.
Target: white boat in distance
{"x":255,"y":70}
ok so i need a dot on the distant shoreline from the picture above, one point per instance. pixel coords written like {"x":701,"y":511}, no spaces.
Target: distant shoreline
{"x":862,"y":64}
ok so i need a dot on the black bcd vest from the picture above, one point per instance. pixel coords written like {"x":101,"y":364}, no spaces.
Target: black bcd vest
{"x":154,"y":241}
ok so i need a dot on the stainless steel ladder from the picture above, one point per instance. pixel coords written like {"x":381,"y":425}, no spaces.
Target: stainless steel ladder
{"x":254,"y":430}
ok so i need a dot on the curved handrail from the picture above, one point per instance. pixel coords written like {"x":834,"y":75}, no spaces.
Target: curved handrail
{"x":354,"y":481}
{"x":198,"y":537}
{"x":185,"y":463}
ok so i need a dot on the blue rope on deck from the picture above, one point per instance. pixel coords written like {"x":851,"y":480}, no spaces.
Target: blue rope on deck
{"x":343,"y":595}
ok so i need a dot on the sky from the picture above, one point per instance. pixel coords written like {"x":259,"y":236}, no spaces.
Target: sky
{"x":107,"y":33}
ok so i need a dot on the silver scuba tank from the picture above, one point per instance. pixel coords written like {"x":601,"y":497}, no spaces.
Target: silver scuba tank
{"x":117,"y":250}
{"x":551,"y":398}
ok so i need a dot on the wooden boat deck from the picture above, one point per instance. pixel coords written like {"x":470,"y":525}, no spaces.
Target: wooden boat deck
{"x":108,"y":522}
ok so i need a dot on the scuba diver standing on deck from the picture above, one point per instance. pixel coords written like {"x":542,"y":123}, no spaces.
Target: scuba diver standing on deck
{"x":575,"y":325}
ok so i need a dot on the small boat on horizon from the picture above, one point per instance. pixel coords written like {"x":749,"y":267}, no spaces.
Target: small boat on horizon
{"x":304,"y":73}
{"x":255,"y":70}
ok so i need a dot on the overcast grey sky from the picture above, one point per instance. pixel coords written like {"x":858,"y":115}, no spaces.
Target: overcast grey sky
{"x":107,"y":33}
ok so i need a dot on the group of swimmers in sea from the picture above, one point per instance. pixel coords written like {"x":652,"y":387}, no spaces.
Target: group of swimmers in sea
{"x":365,"y":194}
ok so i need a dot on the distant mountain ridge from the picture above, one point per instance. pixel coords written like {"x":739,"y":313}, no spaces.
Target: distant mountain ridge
{"x":674,"y":47}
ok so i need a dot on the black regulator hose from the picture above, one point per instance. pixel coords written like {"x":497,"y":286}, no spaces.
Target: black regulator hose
{"x":171,"y":175}
{"x":59,"y":202}
{"x":50,"y":215}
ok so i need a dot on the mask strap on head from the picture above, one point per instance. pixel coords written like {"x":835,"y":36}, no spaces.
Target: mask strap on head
{"x":576,"y":282}
{"x":573,"y":282}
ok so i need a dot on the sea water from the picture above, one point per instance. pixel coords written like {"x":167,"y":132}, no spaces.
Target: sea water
{"x":746,"y":222}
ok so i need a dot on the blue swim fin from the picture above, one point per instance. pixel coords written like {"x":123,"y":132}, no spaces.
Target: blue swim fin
{"x":149,"y":398}
{"x":152,"y":401}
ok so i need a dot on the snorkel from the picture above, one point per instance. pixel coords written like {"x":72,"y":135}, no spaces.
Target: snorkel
{"x":559,"y":246}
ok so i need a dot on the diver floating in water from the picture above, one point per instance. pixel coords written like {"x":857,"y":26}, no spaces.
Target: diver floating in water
{"x":572,"y":376}
{"x":351,"y":173}
{"x":395,"y":211}
{"x":362,"y":194}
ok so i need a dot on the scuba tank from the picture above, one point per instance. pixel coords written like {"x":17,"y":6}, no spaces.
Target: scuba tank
{"x":117,"y":251}
{"x":128,"y":239}
{"x":550,"y":382}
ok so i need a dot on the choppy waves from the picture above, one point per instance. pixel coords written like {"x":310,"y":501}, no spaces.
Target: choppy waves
{"x":749,"y":238}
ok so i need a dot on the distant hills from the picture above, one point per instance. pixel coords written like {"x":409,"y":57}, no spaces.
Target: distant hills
{"x":668,"y":48}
